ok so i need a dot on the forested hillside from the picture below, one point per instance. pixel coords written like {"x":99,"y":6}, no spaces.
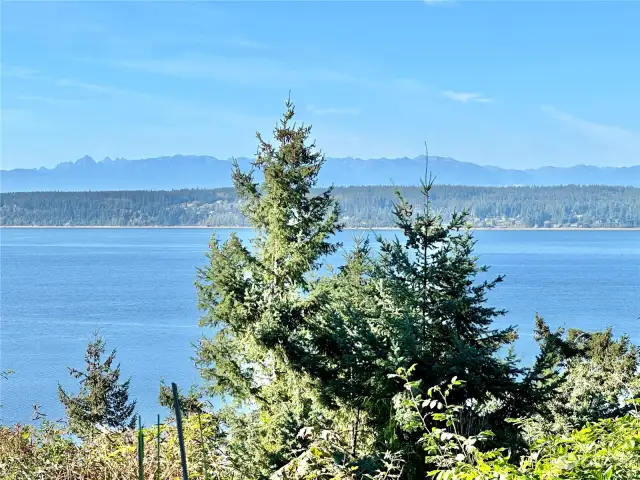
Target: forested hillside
{"x":562,"y":206}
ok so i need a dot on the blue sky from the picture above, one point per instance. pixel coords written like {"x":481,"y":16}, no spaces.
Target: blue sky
{"x":513,"y":84}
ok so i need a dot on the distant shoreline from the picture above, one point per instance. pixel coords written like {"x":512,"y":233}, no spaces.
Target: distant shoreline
{"x":191,"y":227}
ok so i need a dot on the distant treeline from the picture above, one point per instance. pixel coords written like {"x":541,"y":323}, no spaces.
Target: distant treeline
{"x":562,"y":206}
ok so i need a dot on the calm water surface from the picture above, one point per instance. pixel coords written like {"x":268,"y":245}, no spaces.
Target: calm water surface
{"x":136,"y":287}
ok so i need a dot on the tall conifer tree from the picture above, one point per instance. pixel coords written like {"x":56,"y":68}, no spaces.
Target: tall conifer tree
{"x":102,"y":404}
{"x":260,"y":298}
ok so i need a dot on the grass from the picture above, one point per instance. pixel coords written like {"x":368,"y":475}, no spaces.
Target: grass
{"x":161,"y":452}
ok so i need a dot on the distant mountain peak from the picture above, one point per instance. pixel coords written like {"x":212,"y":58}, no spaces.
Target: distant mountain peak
{"x":202,"y":171}
{"x":86,"y":160}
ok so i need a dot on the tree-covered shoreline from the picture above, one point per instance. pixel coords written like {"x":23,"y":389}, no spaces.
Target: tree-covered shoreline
{"x":570,"y":206}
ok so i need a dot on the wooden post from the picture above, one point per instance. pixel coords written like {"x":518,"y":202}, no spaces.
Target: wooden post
{"x":140,"y":450}
{"x":158,"y":452}
{"x":183,"y":454}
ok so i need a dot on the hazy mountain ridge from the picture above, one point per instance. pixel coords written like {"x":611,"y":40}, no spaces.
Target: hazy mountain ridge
{"x":201,"y":171}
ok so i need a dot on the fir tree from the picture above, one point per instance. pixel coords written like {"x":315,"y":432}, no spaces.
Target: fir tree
{"x":433,"y":296}
{"x":419,"y":302}
{"x":103,"y":402}
{"x":260,"y":298}
{"x":429,"y":277}
{"x":600,"y":380}
{"x":190,"y":403}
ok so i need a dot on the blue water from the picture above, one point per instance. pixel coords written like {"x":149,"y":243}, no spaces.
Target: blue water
{"x":136,"y":287}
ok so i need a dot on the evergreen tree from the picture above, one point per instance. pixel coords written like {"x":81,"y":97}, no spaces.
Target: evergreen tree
{"x":190,"y":403}
{"x":260,"y":299}
{"x":419,"y":303}
{"x":600,"y":377}
{"x":102,"y":402}
{"x":433,"y":293}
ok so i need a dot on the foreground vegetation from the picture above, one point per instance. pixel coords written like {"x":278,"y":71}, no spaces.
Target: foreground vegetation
{"x":563,"y":206}
{"x":389,"y":367}
{"x":607,"y":449}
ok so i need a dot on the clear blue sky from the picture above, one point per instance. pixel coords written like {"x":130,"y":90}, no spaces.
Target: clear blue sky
{"x":513,"y":84}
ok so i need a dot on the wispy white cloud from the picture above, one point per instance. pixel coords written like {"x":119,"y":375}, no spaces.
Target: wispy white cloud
{"x":167,"y":108}
{"x":152,"y":40}
{"x":465,"y":97}
{"x":46,"y":100}
{"x":16,"y":71}
{"x":611,"y":134}
{"x":237,"y":70}
{"x":438,"y":2}
{"x":93,"y":87}
{"x":332,"y":111}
